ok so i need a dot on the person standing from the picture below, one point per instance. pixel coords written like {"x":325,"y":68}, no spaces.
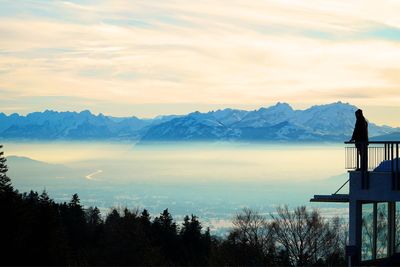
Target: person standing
{"x":360,"y":137}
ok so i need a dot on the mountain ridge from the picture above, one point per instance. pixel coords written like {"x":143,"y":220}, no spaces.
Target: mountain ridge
{"x":328,"y":122}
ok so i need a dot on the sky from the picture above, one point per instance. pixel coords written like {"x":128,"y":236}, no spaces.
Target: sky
{"x":152,"y":57}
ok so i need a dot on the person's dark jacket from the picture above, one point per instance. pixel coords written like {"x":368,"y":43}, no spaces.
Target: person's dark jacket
{"x":360,"y":133}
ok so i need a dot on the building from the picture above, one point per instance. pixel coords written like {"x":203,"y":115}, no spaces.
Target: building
{"x":374,"y":204}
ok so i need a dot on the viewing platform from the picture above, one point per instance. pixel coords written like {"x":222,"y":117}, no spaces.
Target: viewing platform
{"x":374,"y":203}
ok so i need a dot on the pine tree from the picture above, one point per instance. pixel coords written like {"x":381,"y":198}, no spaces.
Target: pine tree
{"x":44,"y":198}
{"x":5,"y":181}
{"x":93,"y":216}
{"x":75,"y":202}
{"x":113,"y":218}
{"x":167,"y":222}
{"x":145,"y":218}
{"x":145,"y":215}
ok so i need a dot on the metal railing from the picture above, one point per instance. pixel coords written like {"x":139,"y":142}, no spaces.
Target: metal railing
{"x":378,"y":151}
{"x":383,"y":155}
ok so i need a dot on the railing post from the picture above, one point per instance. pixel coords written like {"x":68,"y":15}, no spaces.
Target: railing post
{"x":397,"y":166}
{"x":394,"y":180}
{"x":386,"y":151}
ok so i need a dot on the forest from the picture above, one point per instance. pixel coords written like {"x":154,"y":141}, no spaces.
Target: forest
{"x":36,"y":230}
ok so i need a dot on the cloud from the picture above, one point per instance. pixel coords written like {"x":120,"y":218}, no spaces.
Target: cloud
{"x":200,"y":52}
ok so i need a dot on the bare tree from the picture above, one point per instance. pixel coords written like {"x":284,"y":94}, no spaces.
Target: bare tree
{"x":306,"y":236}
{"x":253,"y":229}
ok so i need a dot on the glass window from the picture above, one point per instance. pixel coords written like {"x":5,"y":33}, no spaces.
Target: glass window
{"x":367,"y":231}
{"x":382,"y":225}
{"x":397,"y":228}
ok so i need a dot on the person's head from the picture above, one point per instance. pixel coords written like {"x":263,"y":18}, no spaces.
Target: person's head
{"x":359,"y":113}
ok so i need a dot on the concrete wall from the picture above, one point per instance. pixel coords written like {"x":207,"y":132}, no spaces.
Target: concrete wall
{"x":380,"y":187}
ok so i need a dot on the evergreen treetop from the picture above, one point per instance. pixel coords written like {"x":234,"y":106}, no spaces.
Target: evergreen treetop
{"x":5,"y":181}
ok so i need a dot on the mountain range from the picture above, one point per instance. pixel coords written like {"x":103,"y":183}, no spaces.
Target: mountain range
{"x":330,"y":122}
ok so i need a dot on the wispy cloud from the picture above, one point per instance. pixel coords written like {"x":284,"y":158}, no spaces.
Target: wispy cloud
{"x":202,"y":52}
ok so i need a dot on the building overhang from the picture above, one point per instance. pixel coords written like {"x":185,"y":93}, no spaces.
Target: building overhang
{"x":338,"y":198}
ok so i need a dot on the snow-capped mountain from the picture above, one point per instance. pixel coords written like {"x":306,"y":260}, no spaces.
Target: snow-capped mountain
{"x":265,"y":117}
{"x":331,"y":122}
{"x":49,"y":125}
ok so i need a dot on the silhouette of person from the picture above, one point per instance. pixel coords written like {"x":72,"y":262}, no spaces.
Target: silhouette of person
{"x":360,"y":137}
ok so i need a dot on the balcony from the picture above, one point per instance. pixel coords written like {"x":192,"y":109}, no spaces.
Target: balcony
{"x":382,"y":171}
{"x":380,"y":156}
{"x":381,"y":178}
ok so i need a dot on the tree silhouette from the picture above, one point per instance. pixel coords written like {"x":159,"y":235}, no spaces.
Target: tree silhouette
{"x":93,"y":216}
{"x":75,"y":224}
{"x":305,"y":235}
{"x":9,"y":210}
{"x":36,"y":230}
{"x":250,"y":242}
{"x":195,"y":245}
{"x":5,"y":181}
{"x":166,"y":222}
{"x":145,"y":218}
{"x":165,"y":237}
